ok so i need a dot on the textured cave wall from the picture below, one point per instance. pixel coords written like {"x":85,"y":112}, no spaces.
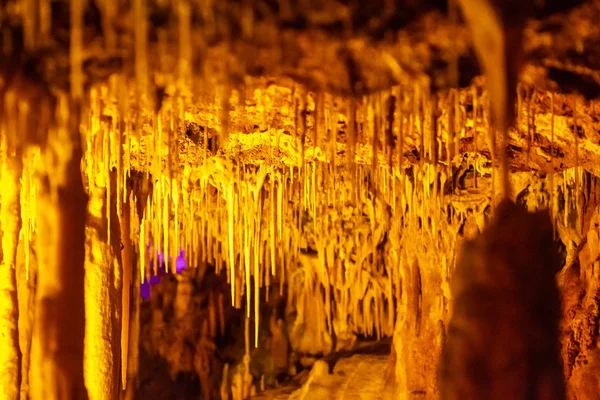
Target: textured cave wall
{"x":579,"y":285}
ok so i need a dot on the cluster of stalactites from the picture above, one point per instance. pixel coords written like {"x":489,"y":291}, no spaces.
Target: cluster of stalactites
{"x":255,"y":217}
{"x":342,"y":159}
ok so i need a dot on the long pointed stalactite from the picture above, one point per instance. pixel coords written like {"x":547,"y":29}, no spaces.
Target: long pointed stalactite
{"x":128,"y":288}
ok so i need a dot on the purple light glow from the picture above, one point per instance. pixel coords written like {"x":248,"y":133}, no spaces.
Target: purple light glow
{"x":180,"y":265}
{"x":145,"y":287}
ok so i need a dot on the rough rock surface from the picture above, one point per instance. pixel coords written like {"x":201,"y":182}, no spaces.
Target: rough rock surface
{"x":359,"y":377}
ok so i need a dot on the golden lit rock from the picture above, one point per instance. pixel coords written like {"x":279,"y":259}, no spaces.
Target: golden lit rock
{"x":208,"y":198}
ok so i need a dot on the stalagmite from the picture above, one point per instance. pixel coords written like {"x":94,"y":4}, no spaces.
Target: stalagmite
{"x":10,"y":219}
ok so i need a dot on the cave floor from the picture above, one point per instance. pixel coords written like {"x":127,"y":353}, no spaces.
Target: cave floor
{"x":359,"y":377}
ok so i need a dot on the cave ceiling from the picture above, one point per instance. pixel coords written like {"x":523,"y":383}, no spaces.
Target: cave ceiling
{"x":350,"y":51}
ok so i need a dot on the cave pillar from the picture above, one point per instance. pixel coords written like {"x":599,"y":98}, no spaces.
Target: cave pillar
{"x":102,"y":284}
{"x":10,"y":220}
{"x":57,"y":342}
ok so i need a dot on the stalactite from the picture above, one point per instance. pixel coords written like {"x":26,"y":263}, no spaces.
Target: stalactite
{"x":318,"y":127}
{"x":225,"y":114}
{"x":577,"y":166}
{"x":401,"y":139}
{"x":458,"y":132}
{"x":231,"y":242}
{"x":134,"y":332}
{"x":553,"y":200}
{"x":451,"y":133}
{"x":272,"y":223}
{"x":140,"y":22}
{"x":128,"y":270}
{"x":256,"y":268}
{"x":434,"y":146}
{"x":389,"y":132}
{"x":10,"y":218}
{"x":302,"y":135}
{"x":115,"y":289}
{"x":333,"y":132}
{"x":519,"y":104}
{"x":529,"y":124}
{"x":247,"y":247}
{"x":373,"y":121}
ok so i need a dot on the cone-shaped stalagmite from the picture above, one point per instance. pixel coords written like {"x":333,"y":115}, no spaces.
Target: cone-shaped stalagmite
{"x":10,"y":218}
